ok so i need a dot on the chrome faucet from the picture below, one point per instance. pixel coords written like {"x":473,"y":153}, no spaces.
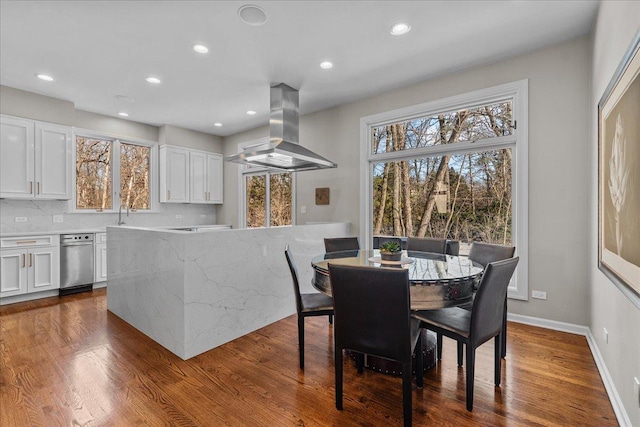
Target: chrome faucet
{"x":120,"y":221}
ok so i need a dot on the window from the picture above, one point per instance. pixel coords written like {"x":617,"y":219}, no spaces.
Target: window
{"x":454,"y":168}
{"x":268,"y":196}
{"x":276,"y":187}
{"x":109,"y":170}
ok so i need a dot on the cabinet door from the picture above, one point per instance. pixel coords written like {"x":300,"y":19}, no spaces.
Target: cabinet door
{"x":52,"y":162}
{"x":100,"y":258}
{"x":198,"y":180}
{"x":174,"y":175}
{"x":13,"y":272}
{"x":44,"y":269}
{"x":214,"y":178}
{"x":16,"y":158}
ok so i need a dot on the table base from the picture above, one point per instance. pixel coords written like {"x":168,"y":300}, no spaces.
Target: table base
{"x":390,"y":367}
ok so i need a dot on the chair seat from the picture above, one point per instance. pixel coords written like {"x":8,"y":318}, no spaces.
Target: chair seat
{"x":454,"y":319}
{"x":316,"y":302}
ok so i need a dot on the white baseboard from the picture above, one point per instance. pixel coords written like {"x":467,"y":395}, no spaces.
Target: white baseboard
{"x":612,"y":392}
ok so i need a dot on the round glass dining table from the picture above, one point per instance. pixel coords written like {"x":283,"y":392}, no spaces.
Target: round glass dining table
{"x":436,"y":280}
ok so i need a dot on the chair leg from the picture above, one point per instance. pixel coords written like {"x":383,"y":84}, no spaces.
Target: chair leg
{"x":498,"y":359}
{"x":301,"y":340}
{"x":359,"y":362}
{"x":406,"y":394}
{"x":338,"y":370}
{"x":460,"y":351}
{"x":419,"y":363}
{"x":331,"y":319}
{"x":439,"y":345}
{"x":503,"y":351}
{"x":471,"y":355}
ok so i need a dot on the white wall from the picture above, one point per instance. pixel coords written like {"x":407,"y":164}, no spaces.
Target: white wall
{"x":559,"y":169}
{"x":615,"y":27}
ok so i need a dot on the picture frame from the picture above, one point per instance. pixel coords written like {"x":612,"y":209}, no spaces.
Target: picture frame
{"x":619,"y":176}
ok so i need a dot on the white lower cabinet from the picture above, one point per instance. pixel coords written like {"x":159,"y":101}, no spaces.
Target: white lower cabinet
{"x":100,"y":258}
{"x":29,"y":264}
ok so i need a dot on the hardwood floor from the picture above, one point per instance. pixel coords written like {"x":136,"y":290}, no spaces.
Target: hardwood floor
{"x":70,"y":362}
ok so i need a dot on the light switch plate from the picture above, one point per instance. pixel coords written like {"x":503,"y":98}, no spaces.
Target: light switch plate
{"x":21,"y":219}
{"x":58,"y":218}
{"x":539,"y":294}
{"x":178,"y":216}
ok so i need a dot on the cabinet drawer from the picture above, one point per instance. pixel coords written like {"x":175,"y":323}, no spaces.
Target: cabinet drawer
{"x":18,"y":242}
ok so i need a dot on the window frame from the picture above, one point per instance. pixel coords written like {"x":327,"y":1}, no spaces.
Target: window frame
{"x":154,"y":186}
{"x":246,"y":170}
{"x":517,"y":92}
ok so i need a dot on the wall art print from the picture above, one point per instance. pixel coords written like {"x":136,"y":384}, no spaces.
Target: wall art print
{"x":619,"y":174}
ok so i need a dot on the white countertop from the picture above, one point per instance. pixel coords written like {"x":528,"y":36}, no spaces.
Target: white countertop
{"x":104,"y":230}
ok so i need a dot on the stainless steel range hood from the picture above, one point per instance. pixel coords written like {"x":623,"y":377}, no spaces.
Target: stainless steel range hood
{"x":282,"y":151}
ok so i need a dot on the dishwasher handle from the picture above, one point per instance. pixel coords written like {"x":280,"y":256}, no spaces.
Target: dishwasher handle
{"x":76,"y":243}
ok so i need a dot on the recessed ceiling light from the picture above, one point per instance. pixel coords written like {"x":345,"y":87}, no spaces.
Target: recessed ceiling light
{"x":326,"y":65}
{"x":125,"y":98}
{"x":217,"y":125}
{"x":123,"y":114}
{"x":44,"y":77}
{"x":200,"y":48}
{"x":153,"y":80}
{"x":399,"y":29}
{"x":252,"y":14}
{"x":251,"y":112}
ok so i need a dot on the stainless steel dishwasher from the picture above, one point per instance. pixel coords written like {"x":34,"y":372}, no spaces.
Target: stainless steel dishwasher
{"x":76,"y":263}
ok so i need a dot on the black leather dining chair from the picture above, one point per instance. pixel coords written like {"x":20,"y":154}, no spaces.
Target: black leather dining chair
{"x":427,"y":244}
{"x":372,"y":316}
{"x":453,"y":247}
{"x":484,"y":321}
{"x":307,"y":305}
{"x":484,"y":253}
{"x":340,"y":244}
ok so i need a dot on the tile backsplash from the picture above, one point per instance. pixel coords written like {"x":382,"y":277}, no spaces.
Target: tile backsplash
{"x":41,"y":214}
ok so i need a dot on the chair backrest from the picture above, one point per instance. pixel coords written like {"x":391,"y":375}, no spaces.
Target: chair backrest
{"x":488,"y":306}
{"x":427,"y":244}
{"x":294,"y":277}
{"x":371,"y":310}
{"x":453,"y":247}
{"x":340,"y":244}
{"x":484,"y":253}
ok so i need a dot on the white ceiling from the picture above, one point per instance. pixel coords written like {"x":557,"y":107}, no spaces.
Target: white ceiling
{"x":96,"y":50}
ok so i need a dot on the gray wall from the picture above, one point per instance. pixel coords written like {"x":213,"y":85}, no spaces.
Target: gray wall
{"x":559,"y":170}
{"x":39,"y":214}
{"x":615,"y":27}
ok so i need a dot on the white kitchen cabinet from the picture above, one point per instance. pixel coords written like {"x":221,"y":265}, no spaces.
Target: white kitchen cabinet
{"x":174,"y":175}
{"x":205,"y":177}
{"x":29,"y":264}
{"x":190,"y":176}
{"x":35,"y":160}
{"x":100,"y":257}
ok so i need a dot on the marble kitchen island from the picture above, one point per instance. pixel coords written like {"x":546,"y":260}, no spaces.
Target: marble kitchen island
{"x":193,"y":291}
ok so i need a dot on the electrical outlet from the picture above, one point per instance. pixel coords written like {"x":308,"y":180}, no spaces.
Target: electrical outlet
{"x":605,"y":335}
{"x":58,"y":218}
{"x":21,"y":219}
{"x":303,"y":209}
{"x":539,"y":294}
{"x":178,"y":216}
{"x":203,"y":216}
{"x":636,"y":389}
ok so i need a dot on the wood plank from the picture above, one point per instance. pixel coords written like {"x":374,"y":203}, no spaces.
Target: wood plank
{"x":68,"y":361}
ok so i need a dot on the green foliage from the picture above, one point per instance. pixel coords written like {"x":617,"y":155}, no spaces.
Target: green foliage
{"x":390,"y":247}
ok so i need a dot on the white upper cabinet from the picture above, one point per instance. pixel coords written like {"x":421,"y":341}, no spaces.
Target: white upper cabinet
{"x":35,"y":160}
{"x":174,"y":175}
{"x":190,"y":176}
{"x":206,"y":177}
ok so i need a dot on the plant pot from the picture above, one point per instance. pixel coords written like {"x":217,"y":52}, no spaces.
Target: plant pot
{"x":391,"y":256}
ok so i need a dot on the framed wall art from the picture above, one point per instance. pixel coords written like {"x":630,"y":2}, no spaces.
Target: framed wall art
{"x":619,"y":175}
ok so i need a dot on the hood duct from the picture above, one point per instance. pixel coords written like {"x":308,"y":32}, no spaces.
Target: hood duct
{"x":282,"y":151}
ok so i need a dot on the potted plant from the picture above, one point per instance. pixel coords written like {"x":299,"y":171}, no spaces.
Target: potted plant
{"x":390,"y":251}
